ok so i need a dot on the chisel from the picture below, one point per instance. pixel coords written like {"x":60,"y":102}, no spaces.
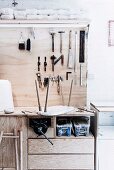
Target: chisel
{"x":81,"y":53}
{"x":52,"y":35}
{"x":61,"y":46}
{"x":70,"y":55}
{"x":75,"y":57}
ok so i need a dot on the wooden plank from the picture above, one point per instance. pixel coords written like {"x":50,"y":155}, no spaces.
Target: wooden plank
{"x":61,"y":162}
{"x":42,"y":146}
{"x":1,"y":154}
{"x":24,"y":142}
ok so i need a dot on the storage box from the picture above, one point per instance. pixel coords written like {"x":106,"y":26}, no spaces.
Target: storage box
{"x":64,"y":127}
{"x":80,"y":126}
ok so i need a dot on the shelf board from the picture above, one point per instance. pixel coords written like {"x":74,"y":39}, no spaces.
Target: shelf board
{"x":44,"y":23}
{"x":90,"y":136}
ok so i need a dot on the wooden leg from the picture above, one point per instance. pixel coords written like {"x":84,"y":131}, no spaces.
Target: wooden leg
{"x":21,"y":149}
{"x":16,"y":151}
{"x":1,"y":134}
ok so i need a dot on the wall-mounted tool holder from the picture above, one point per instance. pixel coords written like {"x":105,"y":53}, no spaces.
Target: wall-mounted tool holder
{"x":44,"y":66}
{"x":21,"y":43}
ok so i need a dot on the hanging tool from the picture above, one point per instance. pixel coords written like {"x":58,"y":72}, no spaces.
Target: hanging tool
{"x":59,"y":79}
{"x":70,"y":93}
{"x":45,"y":63}
{"x":75,"y":57}
{"x":52,"y":61}
{"x":58,"y":59}
{"x":52,"y":35}
{"x":28,"y":44}
{"x":67,"y":73}
{"x":39,"y":63}
{"x":81,"y":53}
{"x":21,"y":45}
{"x":46,"y":80}
{"x":81,"y":75}
{"x":70,"y":55}
{"x":61,"y":45}
{"x":39,"y":79}
{"x":82,"y":47}
{"x":45,"y":107}
{"x":39,"y":106}
{"x":32,"y":32}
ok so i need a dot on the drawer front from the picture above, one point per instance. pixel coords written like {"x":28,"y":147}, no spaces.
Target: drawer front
{"x":61,"y":162}
{"x":39,"y":146}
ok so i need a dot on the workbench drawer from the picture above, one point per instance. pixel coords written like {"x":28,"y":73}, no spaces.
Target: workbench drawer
{"x":61,"y":162}
{"x":42,"y":146}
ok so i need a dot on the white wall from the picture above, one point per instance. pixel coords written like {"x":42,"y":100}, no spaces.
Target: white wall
{"x":100,"y":56}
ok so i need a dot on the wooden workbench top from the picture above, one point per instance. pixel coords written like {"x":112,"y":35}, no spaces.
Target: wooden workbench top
{"x":33,"y":111}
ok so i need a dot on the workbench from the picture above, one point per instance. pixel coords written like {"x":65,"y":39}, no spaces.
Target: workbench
{"x":20,"y":68}
{"x":66,"y":153}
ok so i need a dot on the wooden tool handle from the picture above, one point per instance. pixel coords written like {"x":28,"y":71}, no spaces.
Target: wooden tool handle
{"x":39,"y":106}
{"x":70,"y":35}
{"x":61,"y":43}
{"x":45,"y":108}
{"x":70,"y":93}
{"x":52,"y":42}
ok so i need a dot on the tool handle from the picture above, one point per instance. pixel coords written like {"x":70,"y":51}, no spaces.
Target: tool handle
{"x":61,"y":43}
{"x":45,"y":136}
{"x":45,"y":108}
{"x":56,"y":61}
{"x":62,"y":60}
{"x":81,"y":75}
{"x":70,"y":93}
{"x":75,"y":52}
{"x":52,"y":42}
{"x":39,"y":106}
{"x":45,"y":64}
{"x":82,"y":47}
{"x":39,"y":63}
{"x":70,"y":35}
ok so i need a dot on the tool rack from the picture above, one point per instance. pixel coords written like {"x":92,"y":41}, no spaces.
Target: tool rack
{"x":20,"y":67}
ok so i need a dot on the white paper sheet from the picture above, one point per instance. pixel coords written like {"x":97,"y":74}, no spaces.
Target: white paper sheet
{"x":6,"y":99}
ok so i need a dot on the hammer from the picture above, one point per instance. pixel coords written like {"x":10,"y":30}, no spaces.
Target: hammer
{"x":52,"y":35}
{"x":61,"y":44}
{"x":52,"y":61}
